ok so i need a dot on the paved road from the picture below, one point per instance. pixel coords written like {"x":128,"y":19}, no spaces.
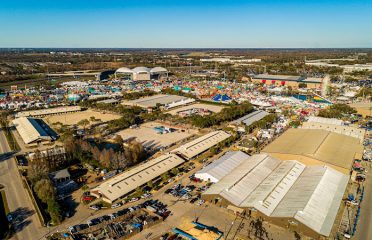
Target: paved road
{"x":28,"y":225}
{"x":364,"y":230}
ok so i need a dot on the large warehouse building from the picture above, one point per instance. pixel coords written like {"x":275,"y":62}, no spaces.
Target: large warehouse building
{"x":215,"y":171}
{"x":316,"y":147}
{"x":34,"y":131}
{"x":167,"y":101}
{"x":250,"y":118}
{"x":141,"y":73}
{"x":287,"y":80}
{"x":49,"y":111}
{"x":126,"y":182}
{"x":201,"y":144}
{"x":334,"y":125}
{"x":286,"y":193}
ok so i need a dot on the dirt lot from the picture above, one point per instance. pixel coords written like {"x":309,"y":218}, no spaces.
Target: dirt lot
{"x":151,"y":139}
{"x":212,"y":108}
{"x":74,"y":118}
{"x":363,"y":108}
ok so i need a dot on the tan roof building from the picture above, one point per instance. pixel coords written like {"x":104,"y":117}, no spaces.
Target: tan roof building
{"x":201,"y":144}
{"x":124,"y":183}
{"x":48,"y":111}
{"x":316,"y":147}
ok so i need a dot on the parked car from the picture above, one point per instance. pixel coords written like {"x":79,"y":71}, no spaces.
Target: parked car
{"x":9,"y":217}
{"x":134,"y":200}
{"x":146,"y":195}
{"x":116,"y":205}
{"x":95,"y":207}
{"x":88,"y":198}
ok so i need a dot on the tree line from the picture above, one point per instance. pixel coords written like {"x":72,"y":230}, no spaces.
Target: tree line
{"x":338,"y":110}
{"x":227,"y":114}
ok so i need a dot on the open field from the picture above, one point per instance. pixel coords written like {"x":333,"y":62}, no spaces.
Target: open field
{"x":74,"y":118}
{"x":363,"y":108}
{"x":153,"y":140}
{"x":212,"y":108}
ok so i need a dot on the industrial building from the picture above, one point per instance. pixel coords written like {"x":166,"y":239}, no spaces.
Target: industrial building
{"x":287,"y":80}
{"x":141,"y":73}
{"x":286,"y":193}
{"x":316,"y":147}
{"x":167,"y":101}
{"x":34,"y":131}
{"x":334,"y":125}
{"x":126,"y":182}
{"x":218,"y":169}
{"x":250,"y":118}
{"x":201,"y":144}
{"x":49,"y":111}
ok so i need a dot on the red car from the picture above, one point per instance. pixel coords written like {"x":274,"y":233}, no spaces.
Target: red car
{"x":88,"y":198}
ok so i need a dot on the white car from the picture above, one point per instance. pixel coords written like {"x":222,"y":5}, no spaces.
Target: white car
{"x":200,"y":202}
{"x":116,"y":205}
{"x":133,"y":200}
{"x":94,"y":207}
{"x":146,"y":195}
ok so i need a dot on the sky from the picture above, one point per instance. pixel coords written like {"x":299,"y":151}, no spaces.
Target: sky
{"x":186,"y":23}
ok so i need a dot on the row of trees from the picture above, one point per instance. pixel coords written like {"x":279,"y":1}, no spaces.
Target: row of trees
{"x":337,"y":111}
{"x":136,"y":95}
{"x":46,"y":192}
{"x":42,"y":163}
{"x":105,"y":155}
{"x":265,"y":122}
{"x":227,"y":114}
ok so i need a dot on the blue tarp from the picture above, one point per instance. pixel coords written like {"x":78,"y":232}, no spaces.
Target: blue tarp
{"x":221,"y":98}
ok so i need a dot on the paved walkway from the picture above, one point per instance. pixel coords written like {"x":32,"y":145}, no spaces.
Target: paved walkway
{"x":27,"y":224}
{"x":364,"y":229}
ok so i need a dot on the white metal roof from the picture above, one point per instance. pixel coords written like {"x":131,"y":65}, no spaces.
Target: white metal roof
{"x":333,"y":121}
{"x":320,"y":211}
{"x":251,"y":118}
{"x":201,"y":144}
{"x":30,"y":130}
{"x":157,"y":70}
{"x":124,"y":70}
{"x":239,"y":183}
{"x":271,"y":191}
{"x":300,"y":193}
{"x":222,"y":166}
{"x":49,"y":111}
{"x":141,"y":70}
{"x":126,"y":182}
{"x":152,"y":101}
{"x":288,"y":189}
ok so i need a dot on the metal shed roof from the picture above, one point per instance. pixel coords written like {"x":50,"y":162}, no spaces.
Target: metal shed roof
{"x":201,"y":144}
{"x":126,"y":182}
{"x":251,"y":118}
{"x":288,"y":189}
{"x":30,"y":130}
{"x":223,"y":166}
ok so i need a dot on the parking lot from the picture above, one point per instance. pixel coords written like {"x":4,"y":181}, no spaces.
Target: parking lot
{"x":122,"y":223}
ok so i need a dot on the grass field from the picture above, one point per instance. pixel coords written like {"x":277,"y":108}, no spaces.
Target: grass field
{"x":3,"y":212}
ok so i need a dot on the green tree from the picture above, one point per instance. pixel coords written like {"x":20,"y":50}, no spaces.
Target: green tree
{"x":174,"y":171}
{"x":44,"y":189}
{"x":84,"y":123}
{"x":165,"y":176}
{"x":54,"y":211}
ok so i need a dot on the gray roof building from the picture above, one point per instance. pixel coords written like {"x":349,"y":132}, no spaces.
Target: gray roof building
{"x":284,"y":189}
